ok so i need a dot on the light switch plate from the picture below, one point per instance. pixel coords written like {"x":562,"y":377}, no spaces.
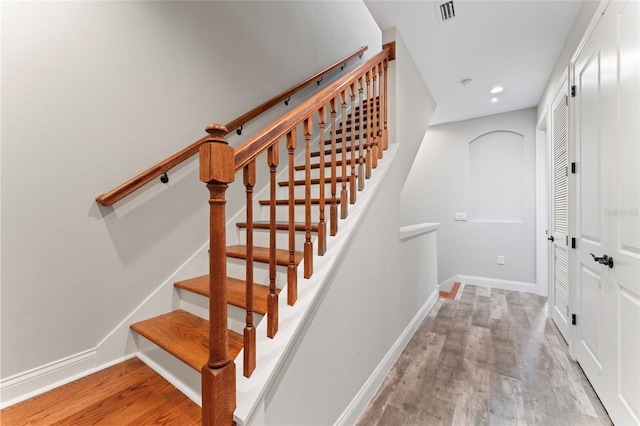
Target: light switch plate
{"x":460,"y":216}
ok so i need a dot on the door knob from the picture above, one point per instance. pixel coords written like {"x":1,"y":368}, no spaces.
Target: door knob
{"x":550,"y":238}
{"x":604,"y":260}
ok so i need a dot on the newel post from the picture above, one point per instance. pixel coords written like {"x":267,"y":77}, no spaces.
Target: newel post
{"x":219,"y":373}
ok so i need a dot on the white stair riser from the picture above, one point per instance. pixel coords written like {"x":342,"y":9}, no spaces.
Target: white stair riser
{"x":261,"y":238}
{"x":299,"y":190}
{"x":282,"y":212}
{"x":315,"y":173}
{"x":179,"y":374}
{"x":236,"y":268}
{"x":199,"y":305}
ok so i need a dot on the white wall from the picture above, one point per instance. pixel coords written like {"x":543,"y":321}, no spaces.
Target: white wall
{"x":585,"y":14}
{"x":92,"y":94}
{"x":439,"y":186}
{"x":376,"y":291}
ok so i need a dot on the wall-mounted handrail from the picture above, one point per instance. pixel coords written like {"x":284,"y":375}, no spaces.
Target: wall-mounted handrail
{"x":270,"y":135}
{"x":235,"y":124}
{"x":167,"y":164}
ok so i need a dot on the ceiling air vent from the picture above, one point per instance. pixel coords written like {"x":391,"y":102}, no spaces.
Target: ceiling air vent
{"x":446,"y":12}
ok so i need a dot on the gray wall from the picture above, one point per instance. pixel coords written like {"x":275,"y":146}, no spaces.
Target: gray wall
{"x":92,"y":94}
{"x":439,"y":186}
{"x":585,"y":14}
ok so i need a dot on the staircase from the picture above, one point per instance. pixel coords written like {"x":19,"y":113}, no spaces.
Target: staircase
{"x":333,"y":144}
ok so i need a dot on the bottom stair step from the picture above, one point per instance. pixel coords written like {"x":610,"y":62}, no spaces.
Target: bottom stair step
{"x":185,"y":336}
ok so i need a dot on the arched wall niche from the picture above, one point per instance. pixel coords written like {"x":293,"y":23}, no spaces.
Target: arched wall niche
{"x":496,"y":174}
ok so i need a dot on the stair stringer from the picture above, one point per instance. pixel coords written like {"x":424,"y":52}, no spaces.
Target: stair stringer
{"x":272,"y":353}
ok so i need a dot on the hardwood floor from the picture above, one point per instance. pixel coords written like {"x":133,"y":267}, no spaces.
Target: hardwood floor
{"x":129,"y":393}
{"x":491,"y":357}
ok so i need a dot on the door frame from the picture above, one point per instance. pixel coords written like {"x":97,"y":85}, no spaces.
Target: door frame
{"x":573,"y":208}
{"x":562,"y":88}
{"x":542,"y":195}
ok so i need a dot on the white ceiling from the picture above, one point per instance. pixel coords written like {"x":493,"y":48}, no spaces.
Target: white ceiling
{"x":513,"y":43}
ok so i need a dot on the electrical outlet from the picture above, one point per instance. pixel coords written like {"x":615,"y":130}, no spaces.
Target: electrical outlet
{"x":500,"y":260}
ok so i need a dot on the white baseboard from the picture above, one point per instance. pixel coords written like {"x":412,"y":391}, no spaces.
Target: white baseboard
{"x":42,"y":379}
{"x":30,"y":383}
{"x":498,"y":283}
{"x":368,"y":390}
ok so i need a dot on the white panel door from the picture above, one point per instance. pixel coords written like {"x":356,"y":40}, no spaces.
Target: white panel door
{"x":607,"y":216}
{"x":559,"y":212}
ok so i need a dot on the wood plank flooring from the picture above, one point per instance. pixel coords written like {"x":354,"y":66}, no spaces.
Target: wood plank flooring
{"x":129,"y":393}
{"x":491,"y":357}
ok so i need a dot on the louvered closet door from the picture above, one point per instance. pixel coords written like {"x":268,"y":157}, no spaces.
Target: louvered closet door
{"x":559,"y":298}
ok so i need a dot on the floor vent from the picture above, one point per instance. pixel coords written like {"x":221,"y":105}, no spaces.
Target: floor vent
{"x":446,"y":12}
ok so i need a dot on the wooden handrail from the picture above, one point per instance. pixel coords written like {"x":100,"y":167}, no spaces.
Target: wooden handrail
{"x":270,"y":135}
{"x":167,"y":164}
{"x":286,"y":95}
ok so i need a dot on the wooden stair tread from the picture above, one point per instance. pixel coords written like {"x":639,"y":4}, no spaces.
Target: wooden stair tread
{"x":327,"y":144}
{"x":300,"y":201}
{"x":357,"y":120}
{"x":236,"y":292}
{"x":261,"y":254}
{"x":341,"y":130}
{"x":327,"y":150}
{"x":315,"y":181}
{"x":327,"y":140}
{"x":185,"y":336}
{"x":280,"y":226}
{"x":326,"y":164}
{"x":367,"y":101}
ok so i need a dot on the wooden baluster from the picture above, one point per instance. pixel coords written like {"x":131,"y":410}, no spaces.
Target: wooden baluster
{"x":352,"y":178}
{"x":385,"y":132}
{"x":322,"y":230}
{"x":380,"y":113}
{"x":292,"y":272}
{"x":249,"y":175}
{"x":361,"y":131}
{"x":217,"y":169}
{"x":272,"y":301}
{"x":333,"y":210}
{"x":374,"y":120}
{"x":308,"y":245}
{"x":344,"y":203}
{"x":369,"y":113}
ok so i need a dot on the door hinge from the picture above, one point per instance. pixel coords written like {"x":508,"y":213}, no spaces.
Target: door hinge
{"x":566,"y":100}
{"x":574,"y":167}
{"x":566,"y":240}
{"x":566,"y":171}
{"x":573,"y":91}
{"x":574,"y":320}
{"x":573,"y":243}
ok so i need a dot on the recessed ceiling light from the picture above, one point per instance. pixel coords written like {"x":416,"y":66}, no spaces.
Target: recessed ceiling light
{"x":466,"y":82}
{"x":497,"y":89}
{"x":494,"y":100}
